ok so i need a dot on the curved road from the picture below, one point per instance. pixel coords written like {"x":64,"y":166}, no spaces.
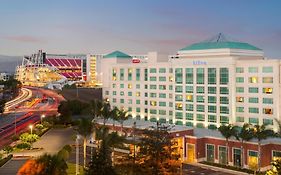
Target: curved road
{"x":25,"y":94}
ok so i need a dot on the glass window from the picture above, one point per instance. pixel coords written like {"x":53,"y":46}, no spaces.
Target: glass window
{"x":114,"y":76}
{"x":253,"y":100}
{"x":224,"y":120}
{"x":200,"y":75}
{"x":162,"y":70}
{"x":224,"y":90}
{"x":200,"y":108}
{"x":190,"y":124}
{"x":212,"y":109}
{"x":189,"y":98}
{"x":200,"y":125}
{"x":267,"y":90}
{"x":253,"y":69}
{"x":152,"y":70}
{"x":276,"y":155}
{"x":254,"y":121}
{"x":114,"y":100}
{"x":222,"y":155}
{"x":253,"y":90}
{"x":189,"y":107}
{"x":121,"y":74}
{"x":122,"y":100}
{"x":212,"y":90}
{"x":267,"y":100}
{"x":212,"y":118}
{"x":224,"y":76}
{"x":240,"y":99}
{"x":189,"y":75}
{"x":114,"y":92}
{"x":189,"y":116}
{"x":210,"y":153}
{"x":239,"y":119}
{"x":138,"y":110}
{"x":137,"y":86}
{"x":178,"y":89}
{"x":200,"y":117}
{"x":254,"y":110}
{"x":224,"y":110}
{"x":137,"y":94}
{"x":200,"y":99}
{"x":239,"y":79}
{"x":239,"y":70}
{"x":162,"y":78}
{"x":268,"y":111}
{"x":212,"y":99}
{"x":200,"y":89}
{"x":138,"y":102}
{"x":267,"y":79}
{"x":189,"y":89}
{"x":170,"y":87}
{"x":212,"y":76}
{"x":130,"y":70}
{"x":161,"y":103}
{"x":153,"y":103}
{"x":162,"y":87}
{"x":121,"y":85}
{"x":237,"y":157}
{"x":268,"y":69}
{"x":152,"y":95}
{"x":178,"y":97}
{"x":178,"y":75}
{"x":121,"y":93}
{"x":239,"y":89}
{"x":267,"y":121}
{"x":145,"y":74}
{"x":129,"y":93}
{"x":152,"y":78}
{"x":239,"y":109}
{"x":179,"y":115}
{"x":162,"y":95}
{"x":224,"y":100}
{"x":138,"y":74}
{"x":253,"y":80}
{"x":162,"y":112}
{"x":153,"y":111}
{"x":153,"y":86}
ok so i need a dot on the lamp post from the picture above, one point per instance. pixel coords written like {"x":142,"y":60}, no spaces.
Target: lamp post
{"x":30,"y":126}
{"x":77,"y":154}
{"x":41,"y":118}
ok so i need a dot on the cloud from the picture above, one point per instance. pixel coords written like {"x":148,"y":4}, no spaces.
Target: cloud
{"x":24,"y":38}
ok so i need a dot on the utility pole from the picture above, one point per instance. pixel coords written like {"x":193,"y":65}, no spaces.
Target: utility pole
{"x":77,"y":155}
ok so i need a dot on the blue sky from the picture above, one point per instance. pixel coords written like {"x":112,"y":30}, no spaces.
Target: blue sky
{"x":134,"y":26}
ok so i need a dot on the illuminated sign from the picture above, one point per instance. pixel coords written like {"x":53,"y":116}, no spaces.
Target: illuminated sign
{"x":199,"y":62}
{"x":135,"y":60}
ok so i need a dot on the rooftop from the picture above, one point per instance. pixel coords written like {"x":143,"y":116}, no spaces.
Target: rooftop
{"x":117,"y":54}
{"x":220,"y":41}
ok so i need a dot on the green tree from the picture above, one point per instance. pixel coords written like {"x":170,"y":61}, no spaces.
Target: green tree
{"x":52,"y":164}
{"x":28,"y":138}
{"x":276,"y":168}
{"x":227,"y":131}
{"x":2,"y":105}
{"x":114,"y":115}
{"x":122,"y":116}
{"x":279,"y":127}
{"x":85,"y":128}
{"x":65,"y":111}
{"x":244,"y":134}
{"x":105,"y":112}
{"x":261,"y":132}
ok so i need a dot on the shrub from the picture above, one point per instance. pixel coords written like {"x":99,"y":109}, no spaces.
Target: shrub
{"x":67,"y":148}
{"x":64,"y":154}
{"x":30,"y":138}
{"x":23,"y":146}
{"x":15,"y":138}
{"x":8,"y":149}
{"x":39,"y":126}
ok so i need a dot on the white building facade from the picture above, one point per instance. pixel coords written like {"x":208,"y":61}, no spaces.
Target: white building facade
{"x":207,"y":84}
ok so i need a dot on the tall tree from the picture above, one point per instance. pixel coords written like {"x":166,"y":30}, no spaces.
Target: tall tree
{"x":85,"y":128}
{"x":279,"y":127}
{"x":228,"y":131}
{"x":105,"y":112}
{"x":244,"y":134}
{"x":53,"y":164}
{"x":261,"y":132}
{"x":114,"y":115}
{"x":122,"y":116}
{"x":2,"y":105}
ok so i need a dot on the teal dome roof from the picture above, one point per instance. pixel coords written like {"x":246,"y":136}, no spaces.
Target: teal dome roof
{"x":117,"y":54}
{"x":220,"y":42}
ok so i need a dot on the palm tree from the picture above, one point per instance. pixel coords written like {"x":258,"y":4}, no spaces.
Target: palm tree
{"x":279,"y":127}
{"x":85,"y":128}
{"x":114,"y":115}
{"x":122,"y":117}
{"x":244,"y":134}
{"x":105,"y":112}
{"x":228,"y":131}
{"x":96,"y":106}
{"x":261,"y":133}
{"x":52,"y":164}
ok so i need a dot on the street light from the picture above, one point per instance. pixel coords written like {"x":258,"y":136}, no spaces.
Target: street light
{"x":41,"y":118}
{"x":31,"y":126}
{"x":77,"y":155}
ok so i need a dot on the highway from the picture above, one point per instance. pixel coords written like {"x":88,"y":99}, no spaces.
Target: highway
{"x":20,"y":115}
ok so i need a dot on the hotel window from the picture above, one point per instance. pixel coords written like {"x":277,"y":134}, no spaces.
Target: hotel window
{"x":253,"y":159}
{"x":267,"y":100}
{"x":121,"y":85}
{"x":200,"y":108}
{"x":145,"y":74}
{"x":170,"y":70}
{"x":122,"y":100}
{"x":178,"y":97}
{"x":178,"y":75}
{"x":212,"y":118}
{"x":253,"y":69}
{"x":224,"y":120}
{"x":152,"y":78}
{"x":224,"y":90}
{"x":240,"y":99}
{"x":276,"y":155}
{"x":121,"y":74}
{"x":152,"y":95}
{"x":212,"y":99}
{"x":179,"y":115}
{"x":161,"y":103}
{"x":200,"y":75}
{"x":153,"y":111}
{"x":130,"y":101}
{"x":171,"y":87}
{"x":178,"y":89}
{"x":210,"y":153}
{"x":200,"y":89}
{"x":137,"y":102}
{"x":170,"y":104}
{"x":254,"y":110}
{"x":189,"y":124}
{"x":267,"y":69}
{"x":237,"y":157}
{"x":239,"y":79}
{"x":253,"y":90}
{"x":212,"y":109}
{"x":161,"y":95}
{"x":114,"y":100}
{"x":189,"y":75}
{"x":224,"y":76}
{"x":130,"y":74}
{"x":212,"y":76}
{"x":114,"y":93}
{"x":239,"y":109}
{"x":239,"y":119}
{"x":189,"y":116}
{"x":171,"y":79}
{"x":253,"y":100}
{"x":178,"y":106}
{"x":189,"y":89}
{"x":114,"y":85}
{"x":152,"y":70}
{"x":162,"y":70}
{"x":121,"y":93}
{"x":224,"y":100}
{"x":267,"y":79}
{"x":189,"y":98}
{"x":137,"y":86}
{"x":162,"y":78}
{"x":253,"y":79}
{"x":200,"y":117}
{"x":267,"y":90}
{"x":138,"y":110}
{"x":212,"y":90}
{"x":129,"y":86}
{"x":162,"y":112}
{"x":189,"y":107}
{"x":114,"y":76}
{"x":268,"y":111}
{"x":153,"y":103}
{"x":162,"y":87}
{"x":145,"y":94}
{"x":200,"y":99}
{"x":145,"y":86}
{"x":138,"y":74}
{"x":200,"y":125}
{"x":254,"y":121}
{"x":224,"y":110}
{"x":129,"y":93}
{"x":222,"y":155}
{"x":267,"y":121}
{"x":240,"y":89}
{"x":239,"y":70}
{"x":153,"y":86}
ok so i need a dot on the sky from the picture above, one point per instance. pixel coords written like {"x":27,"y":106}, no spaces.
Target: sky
{"x":134,"y":26}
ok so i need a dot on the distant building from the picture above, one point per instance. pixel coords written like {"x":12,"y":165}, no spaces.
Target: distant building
{"x":207,"y":84}
{"x":5,"y":76}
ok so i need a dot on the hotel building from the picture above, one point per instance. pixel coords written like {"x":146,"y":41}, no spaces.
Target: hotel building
{"x":214,"y":82}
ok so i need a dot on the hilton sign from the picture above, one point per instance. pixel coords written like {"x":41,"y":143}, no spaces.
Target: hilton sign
{"x":199,"y":63}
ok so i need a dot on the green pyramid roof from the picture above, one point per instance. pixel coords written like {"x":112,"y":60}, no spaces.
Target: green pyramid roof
{"x":220,"y":42}
{"x":117,"y":54}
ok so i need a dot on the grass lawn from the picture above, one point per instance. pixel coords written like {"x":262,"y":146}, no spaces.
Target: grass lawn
{"x":72,"y":167}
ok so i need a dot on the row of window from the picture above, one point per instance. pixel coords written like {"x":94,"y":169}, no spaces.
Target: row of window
{"x":265,"y":69}
{"x":255,"y":90}
{"x":254,"y":110}
{"x":254,"y":79}
{"x":254,"y":100}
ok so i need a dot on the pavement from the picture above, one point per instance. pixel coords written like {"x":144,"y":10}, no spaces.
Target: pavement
{"x":12,"y":167}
